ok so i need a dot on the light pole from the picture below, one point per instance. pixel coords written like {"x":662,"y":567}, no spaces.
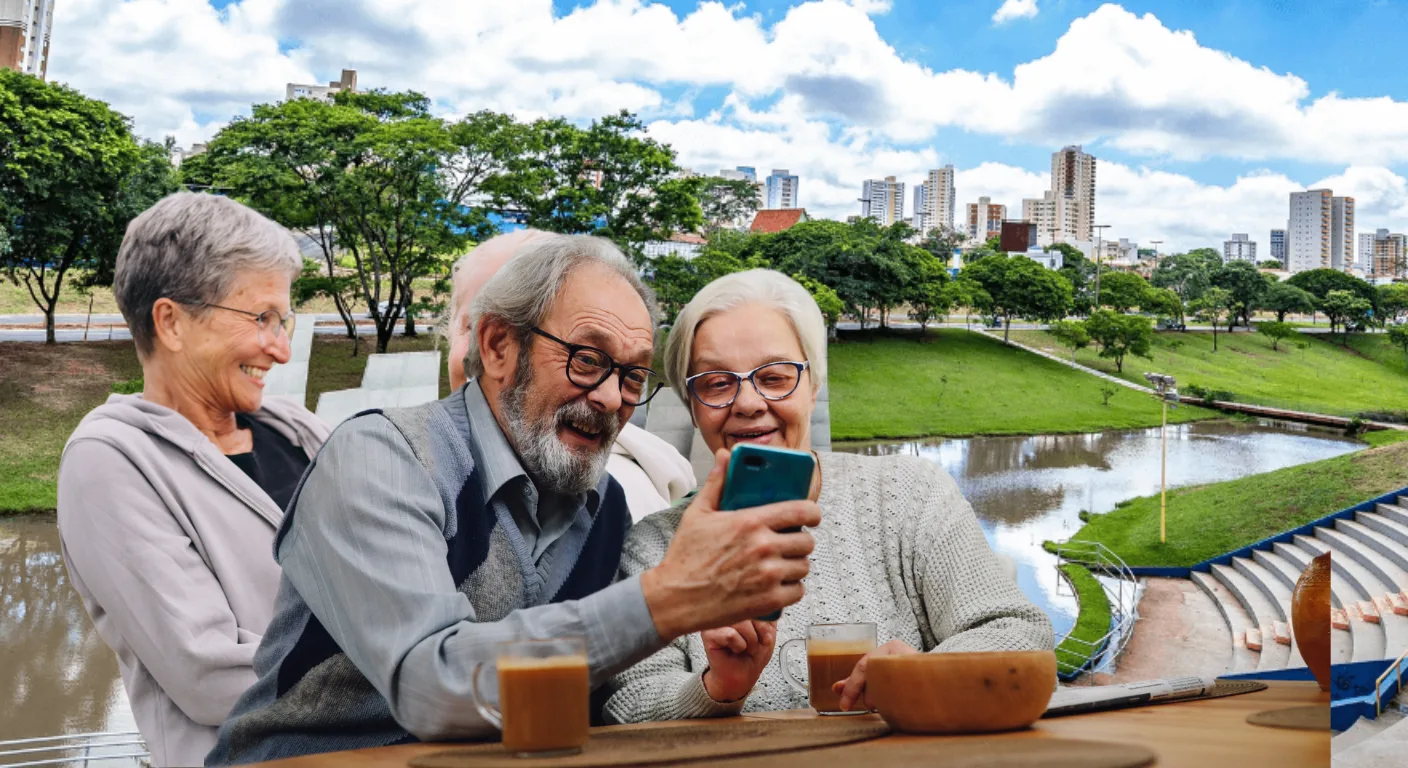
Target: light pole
{"x":1166,"y":389}
{"x":1156,"y":243}
{"x":1098,"y":232}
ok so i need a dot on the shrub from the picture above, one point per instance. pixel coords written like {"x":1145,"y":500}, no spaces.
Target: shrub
{"x":129,"y":387}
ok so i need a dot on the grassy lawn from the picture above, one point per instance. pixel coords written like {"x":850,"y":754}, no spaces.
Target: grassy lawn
{"x":1308,"y":373}
{"x":45,"y":391}
{"x":1210,"y":520}
{"x":894,"y":386}
{"x":1093,"y":622}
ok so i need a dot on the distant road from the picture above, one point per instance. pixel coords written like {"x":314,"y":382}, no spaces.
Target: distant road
{"x":112,"y":327}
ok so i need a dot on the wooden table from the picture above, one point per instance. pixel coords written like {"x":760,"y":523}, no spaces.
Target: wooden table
{"x":1197,"y":734}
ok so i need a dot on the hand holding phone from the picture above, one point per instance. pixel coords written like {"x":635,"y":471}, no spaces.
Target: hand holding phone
{"x":759,"y":475}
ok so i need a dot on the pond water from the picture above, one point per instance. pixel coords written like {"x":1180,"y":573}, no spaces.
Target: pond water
{"x":1029,"y":489}
{"x":58,"y":676}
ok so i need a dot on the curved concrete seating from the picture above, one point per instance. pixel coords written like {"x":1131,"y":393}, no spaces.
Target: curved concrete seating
{"x":1366,"y":566}
{"x":1261,"y":611}
{"x":1386,"y":558}
{"x":1275,"y":591}
{"x":1368,"y":638}
{"x":1243,"y":658}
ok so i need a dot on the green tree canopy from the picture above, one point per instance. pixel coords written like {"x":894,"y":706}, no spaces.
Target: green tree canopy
{"x":1320,"y":282}
{"x":1393,"y":301}
{"x":1019,"y":287}
{"x":1276,"y":332}
{"x":727,"y":202}
{"x":1346,"y":309}
{"x":71,"y":177}
{"x":1163,"y":302}
{"x":1187,"y":274}
{"x":1120,"y":335}
{"x":1214,"y":306}
{"x":1071,"y":334}
{"x":1398,"y":336}
{"x":1123,"y":291}
{"x":1080,"y":273}
{"x":1247,"y":286}
{"x":1284,"y":298}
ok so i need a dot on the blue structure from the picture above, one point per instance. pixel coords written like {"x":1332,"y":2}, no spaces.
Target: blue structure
{"x":749,"y":172}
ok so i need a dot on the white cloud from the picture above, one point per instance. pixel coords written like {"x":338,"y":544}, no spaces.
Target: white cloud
{"x":1015,"y":9}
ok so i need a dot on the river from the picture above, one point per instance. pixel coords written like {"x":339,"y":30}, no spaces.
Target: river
{"x":59,"y":677}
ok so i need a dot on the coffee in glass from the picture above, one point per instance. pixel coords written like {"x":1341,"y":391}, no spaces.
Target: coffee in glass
{"x":544,"y":695}
{"x":832,"y":652}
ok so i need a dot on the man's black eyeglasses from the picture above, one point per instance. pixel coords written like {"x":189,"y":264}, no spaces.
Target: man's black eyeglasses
{"x":589,"y":367}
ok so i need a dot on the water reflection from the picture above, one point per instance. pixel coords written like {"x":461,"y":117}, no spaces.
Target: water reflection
{"x":1027,"y":489}
{"x":56,"y":674}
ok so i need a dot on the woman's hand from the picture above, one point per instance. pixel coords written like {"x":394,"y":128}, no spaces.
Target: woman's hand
{"x":852,"y":689}
{"x":737,"y":656}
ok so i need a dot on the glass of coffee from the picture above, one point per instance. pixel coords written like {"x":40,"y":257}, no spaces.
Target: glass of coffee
{"x":544,"y":694}
{"x":832,"y":652}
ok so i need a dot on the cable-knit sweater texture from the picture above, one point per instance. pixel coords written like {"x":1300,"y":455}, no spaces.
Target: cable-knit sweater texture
{"x":898,"y":545}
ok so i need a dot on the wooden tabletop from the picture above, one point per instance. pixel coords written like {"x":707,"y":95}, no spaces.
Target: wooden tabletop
{"x":1197,"y":734}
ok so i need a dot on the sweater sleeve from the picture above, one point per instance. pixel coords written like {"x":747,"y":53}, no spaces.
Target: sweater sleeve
{"x":665,"y":686}
{"x":968,"y":602}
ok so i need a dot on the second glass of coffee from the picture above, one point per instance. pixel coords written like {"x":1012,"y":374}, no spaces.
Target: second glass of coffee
{"x":832,"y":652}
{"x":544,"y":696}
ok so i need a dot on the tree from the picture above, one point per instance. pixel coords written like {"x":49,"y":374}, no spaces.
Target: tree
{"x":676,"y":279}
{"x":1080,"y":272}
{"x":1276,"y":332}
{"x":1019,"y":287}
{"x":1163,"y":303}
{"x":1071,"y":334}
{"x":727,"y":202}
{"x":1393,"y":301}
{"x":1187,"y":274}
{"x":929,"y":299}
{"x":1247,"y":286}
{"x":941,"y":242}
{"x":1320,"y":282}
{"x":967,"y":292}
{"x":1284,"y":298}
{"x":1345,"y":309}
{"x":71,"y":177}
{"x":1123,"y":291}
{"x":1214,"y":305}
{"x":373,"y":178}
{"x":1398,"y":336}
{"x":826,"y":300}
{"x":1269,"y":264}
{"x":1120,"y":335}
{"x":608,"y":179}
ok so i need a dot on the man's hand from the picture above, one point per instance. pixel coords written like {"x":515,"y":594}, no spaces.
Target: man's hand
{"x":852,"y":689}
{"x":725,"y":567}
{"x":737,"y":657}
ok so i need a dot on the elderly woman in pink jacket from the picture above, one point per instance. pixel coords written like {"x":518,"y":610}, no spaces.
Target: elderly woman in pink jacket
{"x":169,"y":500}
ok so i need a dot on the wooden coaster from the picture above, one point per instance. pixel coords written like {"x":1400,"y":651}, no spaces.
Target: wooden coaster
{"x":968,"y":752}
{"x":698,"y":740}
{"x":1315,"y":717}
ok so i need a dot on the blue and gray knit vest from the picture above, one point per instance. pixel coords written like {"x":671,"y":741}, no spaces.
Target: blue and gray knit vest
{"x":316,"y":700}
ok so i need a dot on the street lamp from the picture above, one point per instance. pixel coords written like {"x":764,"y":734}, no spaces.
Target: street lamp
{"x":1166,"y":389}
{"x":1098,"y":232}
{"x":1156,"y":243}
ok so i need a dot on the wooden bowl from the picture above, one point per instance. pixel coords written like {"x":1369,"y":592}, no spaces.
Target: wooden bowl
{"x":961,"y":692}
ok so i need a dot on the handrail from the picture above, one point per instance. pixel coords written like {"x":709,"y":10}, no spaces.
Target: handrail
{"x":51,"y":748}
{"x":1123,"y":614}
{"x":68,"y":737}
{"x":1395,"y":668}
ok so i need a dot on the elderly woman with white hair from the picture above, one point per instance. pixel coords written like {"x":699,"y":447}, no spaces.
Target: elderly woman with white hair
{"x":169,"y":500}
{"x":898,"y":545}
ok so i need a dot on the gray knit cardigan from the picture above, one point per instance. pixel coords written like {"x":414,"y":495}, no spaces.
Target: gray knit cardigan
{"x":898,"y":546}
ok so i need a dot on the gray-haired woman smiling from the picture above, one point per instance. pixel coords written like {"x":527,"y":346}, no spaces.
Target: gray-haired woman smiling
{"x":169,"y":500}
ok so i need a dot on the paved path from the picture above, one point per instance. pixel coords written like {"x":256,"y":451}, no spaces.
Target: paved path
{"x":994,"y":333}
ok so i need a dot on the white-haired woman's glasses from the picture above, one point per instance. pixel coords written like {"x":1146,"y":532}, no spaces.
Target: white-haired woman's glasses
{"x":773,"y":381}
{"x":268,"y":321}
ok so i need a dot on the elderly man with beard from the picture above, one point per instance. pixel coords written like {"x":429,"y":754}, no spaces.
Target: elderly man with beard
{"x":421,"y":537}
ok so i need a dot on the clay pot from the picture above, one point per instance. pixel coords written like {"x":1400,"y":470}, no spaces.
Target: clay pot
{"x":961,"y":692}
{"x":1310,"y":618}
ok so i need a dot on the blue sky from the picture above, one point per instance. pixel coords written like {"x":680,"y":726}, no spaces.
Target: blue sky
{"x":1204,"y":115}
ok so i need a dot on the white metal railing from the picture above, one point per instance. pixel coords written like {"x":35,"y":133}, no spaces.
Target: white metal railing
{"x":1121,"y":589}
{"x":51,"y":750}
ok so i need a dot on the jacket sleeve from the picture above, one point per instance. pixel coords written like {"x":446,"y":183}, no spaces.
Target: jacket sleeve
{"x":967,"y":601}
{"x":147,"y":587}
{"x":366,"y":550}
{"x":664,"y":686}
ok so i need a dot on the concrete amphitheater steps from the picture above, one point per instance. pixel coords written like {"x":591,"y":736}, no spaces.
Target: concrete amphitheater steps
{"x":1376,"y":535}
{"x":1244,"y":659}
{"x":1261,"y":611}
{"x":1277,"y":593}
{"x":1368,"y":638}
{"x":1388,"y":526}
{"x":1367,"y":567}
{"x":1375,"y":747}
{"x":1284,"y":569}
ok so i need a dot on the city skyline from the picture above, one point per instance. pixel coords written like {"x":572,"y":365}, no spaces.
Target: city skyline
{"x":838,"y":91}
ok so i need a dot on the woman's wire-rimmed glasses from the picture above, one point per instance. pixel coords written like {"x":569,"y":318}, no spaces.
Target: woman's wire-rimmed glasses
{"x":267,"y":320}
{"x":589,"y":367}
{"x":773,"y":381}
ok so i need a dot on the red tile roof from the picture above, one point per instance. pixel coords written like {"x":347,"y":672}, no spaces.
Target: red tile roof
{"x":778,"y":219}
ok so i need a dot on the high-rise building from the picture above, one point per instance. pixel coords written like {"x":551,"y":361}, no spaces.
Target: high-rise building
{"x":782,"y":189}
{"x":1383,"y":254}
{"x":1278,"y":246}
{"x":348,"y":82}
{"x":1073,"y":186}
{"x":985,"y":219}
{"x":1308,"y":231}
{"x":24,"y":35}
{"x":1239,"y":248}
{"x":921,"y":219}
{"x":939,"y":198}
{"x":1041,"y":212}
{"x":882,"y":200}
{"x":749,"y":172}
{"x":1342,"y":233}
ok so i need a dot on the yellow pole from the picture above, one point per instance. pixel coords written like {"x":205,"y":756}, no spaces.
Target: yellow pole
{"x":1163,"y":476}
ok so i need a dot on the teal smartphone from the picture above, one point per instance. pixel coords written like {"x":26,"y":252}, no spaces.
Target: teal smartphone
{"x":759,"y":475}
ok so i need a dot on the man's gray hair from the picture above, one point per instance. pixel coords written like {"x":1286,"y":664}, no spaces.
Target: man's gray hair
{"x":522,"y":293}
{"x":752,"y":286}
{"x":191,"y":248}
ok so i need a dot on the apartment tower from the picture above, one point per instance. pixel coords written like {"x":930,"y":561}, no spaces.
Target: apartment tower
{"x":882,"y":200}
{"x":781,"y":189}
{"x":24,"y":35}
{"x":1342,"y":233}
{"x":1278,"y":246}
{"x":1308,"y":231}
{"x":1073,"y":187}
{"x":1239,"y":248}
{"x":939,"y":198}
{"x":985,"y":219}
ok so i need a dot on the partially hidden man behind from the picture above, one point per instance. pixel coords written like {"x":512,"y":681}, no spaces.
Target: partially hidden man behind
{"x":421,"y":537}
